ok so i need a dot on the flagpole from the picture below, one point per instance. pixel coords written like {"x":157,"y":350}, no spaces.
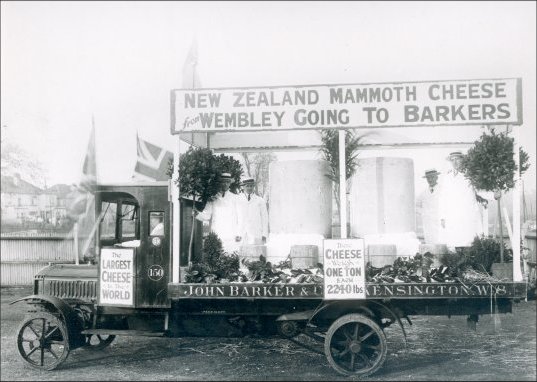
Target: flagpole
{"x":87,"y":186}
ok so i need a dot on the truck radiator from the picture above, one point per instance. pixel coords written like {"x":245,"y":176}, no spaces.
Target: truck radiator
{"x":85,"y":290}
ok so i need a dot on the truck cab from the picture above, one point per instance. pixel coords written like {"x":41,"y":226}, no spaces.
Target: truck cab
{"x":134,"y":218}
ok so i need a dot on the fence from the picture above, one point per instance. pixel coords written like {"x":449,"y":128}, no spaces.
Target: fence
{"x":23,"y":256}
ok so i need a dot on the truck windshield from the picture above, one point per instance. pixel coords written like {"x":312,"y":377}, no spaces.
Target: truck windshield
{"x":119,"y":221}
{"x":109,"y":221}
{"x":128,"y":221}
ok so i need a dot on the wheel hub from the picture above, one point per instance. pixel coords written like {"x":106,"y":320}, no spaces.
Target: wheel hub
{"x":355,"y":346}
{"x":288,"y":329}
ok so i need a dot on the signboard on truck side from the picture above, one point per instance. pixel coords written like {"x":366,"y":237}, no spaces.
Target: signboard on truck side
{"x":396,"y":104}
{"x":344,"y":269}
{"x":405,"y":291}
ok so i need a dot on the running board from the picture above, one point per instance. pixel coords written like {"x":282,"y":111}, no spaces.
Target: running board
{"x":108,"y":332}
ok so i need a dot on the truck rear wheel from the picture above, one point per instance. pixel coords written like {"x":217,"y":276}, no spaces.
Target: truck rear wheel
{"x":42,"y":340}
{"x":355,"y":345}
{"x":98,"y":341}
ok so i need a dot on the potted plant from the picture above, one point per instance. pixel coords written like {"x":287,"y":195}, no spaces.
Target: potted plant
{"x":490,"y":165}
{"x":199,"y":171}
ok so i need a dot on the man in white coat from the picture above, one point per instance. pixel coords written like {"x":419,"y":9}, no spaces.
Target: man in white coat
{"x":460,"y":214}
{"x":430,"y":199}
{"x":253,"y":215}
{"x":222,"y":215}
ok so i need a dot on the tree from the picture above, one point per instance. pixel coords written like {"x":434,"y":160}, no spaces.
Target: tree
{"x":226,"y":163}
{"x":14,"y":159}
{"x":330,"y":152}
{"x":199,"y":178}
{"x":490,"y":165}
{"x":198,"y":174}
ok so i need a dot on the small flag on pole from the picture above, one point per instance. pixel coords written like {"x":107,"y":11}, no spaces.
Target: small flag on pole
{"x":82,"y":208}
{"x":191,"y":79}
{"x":89,"y":169}
{"x":152,"y":162}
{"x":82,"y":197}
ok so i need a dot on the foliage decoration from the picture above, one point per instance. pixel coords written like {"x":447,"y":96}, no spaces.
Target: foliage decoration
{"x":330,"y":152}
{"x":198,"y":174}
{"x":483,"y":252}
{"x":199,"y":177}
{"x":229,"y":164}
{"x":212,"y":249}
{"x":216,"y":265}
{"x":490,"y":165}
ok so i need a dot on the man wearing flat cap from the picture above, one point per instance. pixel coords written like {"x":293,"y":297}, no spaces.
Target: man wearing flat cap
{"x":253,"y":215}
{"x":222,"y":215}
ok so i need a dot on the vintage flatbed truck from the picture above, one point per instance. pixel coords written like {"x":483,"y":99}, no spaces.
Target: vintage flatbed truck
{"x":130,"y":292}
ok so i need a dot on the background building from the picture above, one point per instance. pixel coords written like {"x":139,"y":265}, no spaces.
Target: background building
{"x":25,"y":205}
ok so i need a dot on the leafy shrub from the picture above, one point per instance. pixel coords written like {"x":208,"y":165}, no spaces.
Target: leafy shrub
{"x":215,"y":264}
{"x":485,"y":251}
{"x":198,"y":174}
{"x":481,"y":254}
{"x":227,"y":266}
{"x":259,"y":269}
{"x":212,"y":249}
{"x":490,"y":164}
{"x":198,"y":273}
{"x":226,"y":163}
{"x":456,"y":262}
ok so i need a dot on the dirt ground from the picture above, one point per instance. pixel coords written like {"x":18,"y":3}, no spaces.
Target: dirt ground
{"x":439,"y":348}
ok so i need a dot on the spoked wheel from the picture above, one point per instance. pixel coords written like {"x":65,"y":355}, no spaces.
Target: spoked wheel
{"x":355,"y":345}
{"x":98,"y":341}
{"x":42,"y":341}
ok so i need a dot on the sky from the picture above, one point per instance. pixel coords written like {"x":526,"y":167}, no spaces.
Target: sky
{"x":64,"y":62}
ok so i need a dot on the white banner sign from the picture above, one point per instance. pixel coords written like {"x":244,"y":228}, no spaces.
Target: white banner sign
{"x":116,"y":283}
{"x":432,"y":103}
{"x":344,"y":269}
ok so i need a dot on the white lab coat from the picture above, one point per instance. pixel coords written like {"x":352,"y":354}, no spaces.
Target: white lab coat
{"x":253,"y":219}
{"x":430,"y":204}
{"x":460,"y":211}
{"x":222,"y":216}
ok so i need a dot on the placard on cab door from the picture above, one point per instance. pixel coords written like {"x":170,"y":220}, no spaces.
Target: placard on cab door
{"x":116,"y":281}
{"x":344,"y":269}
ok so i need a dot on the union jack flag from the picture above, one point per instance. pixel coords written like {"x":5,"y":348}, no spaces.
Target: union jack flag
{"x":153,"y":161}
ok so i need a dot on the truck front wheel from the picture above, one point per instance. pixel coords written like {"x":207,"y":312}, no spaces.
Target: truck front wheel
{"x":42,"y":340}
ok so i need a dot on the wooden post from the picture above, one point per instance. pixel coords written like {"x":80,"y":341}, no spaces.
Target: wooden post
{"x":176,"y":221}
{"x":517,"y":273}
{"x":342,"y":186}
{"x":495,"y":230}
{"x":485,"y":221}
{"x":75,"y":242}
{"x":508,"y":225}
{"x":501,"y":228}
